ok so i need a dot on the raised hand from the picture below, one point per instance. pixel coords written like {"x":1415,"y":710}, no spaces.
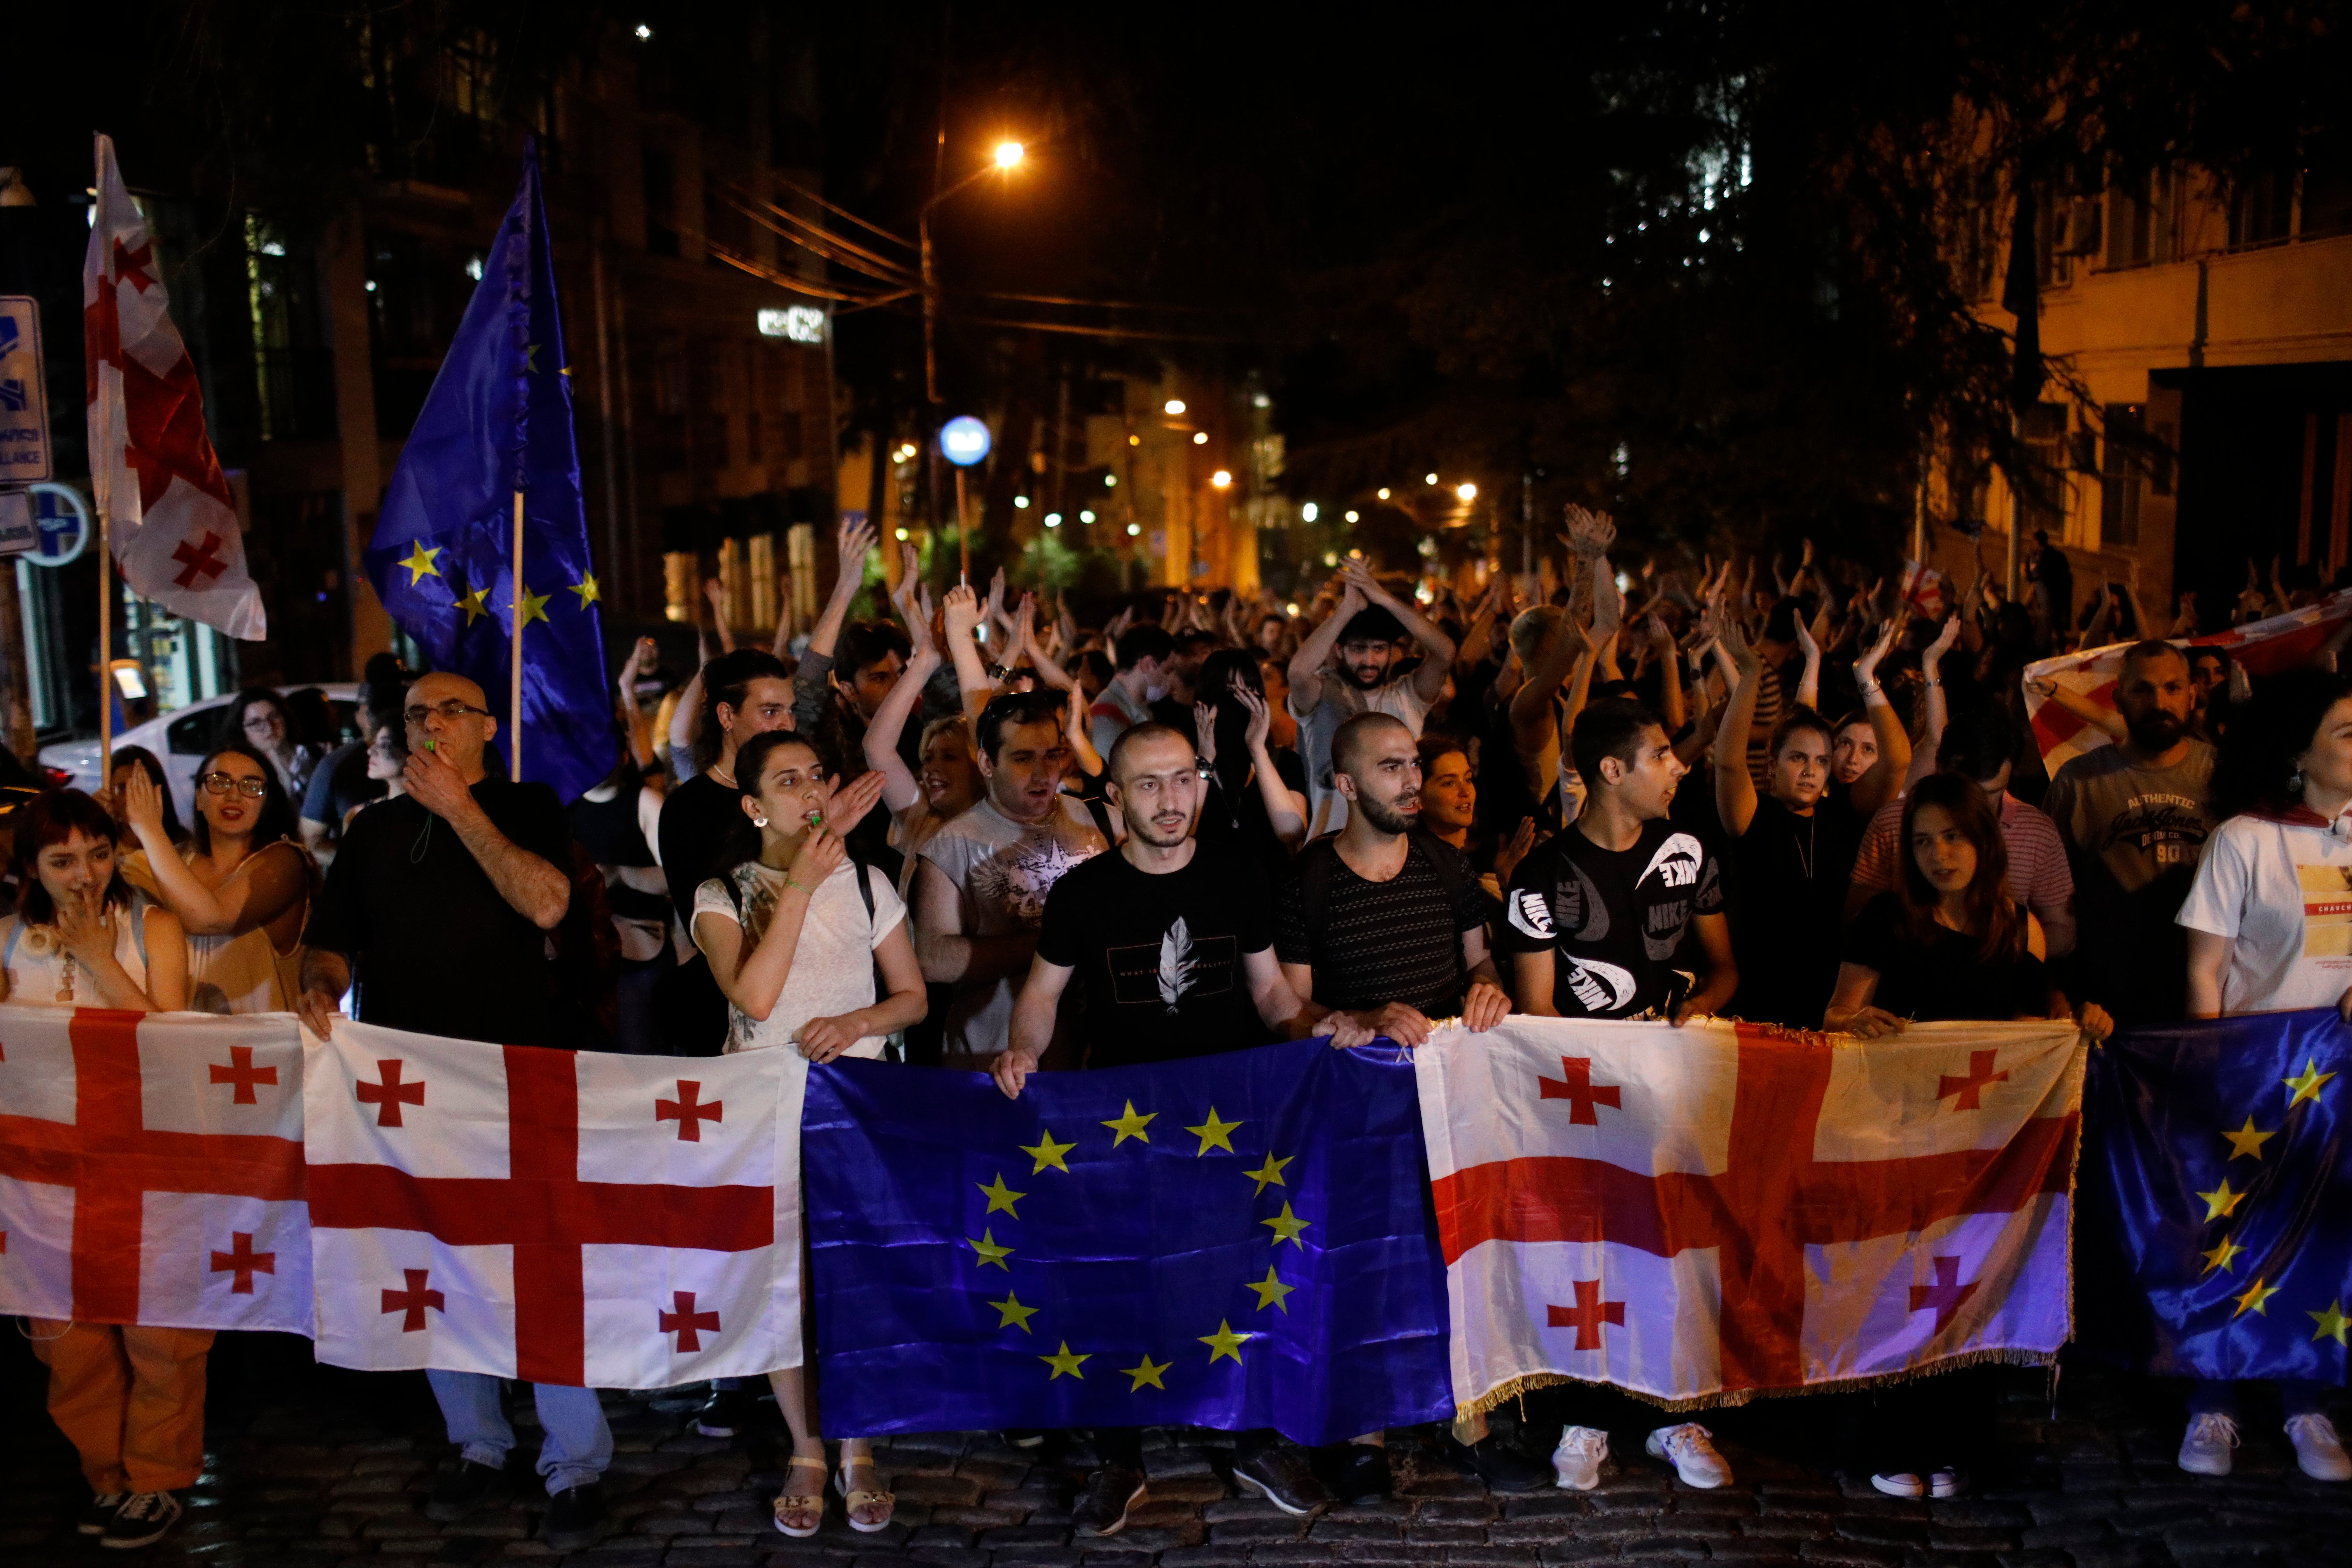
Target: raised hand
{"x":85,"y":925}
{"x":851,"y":541}
{"x":820,"y":853}
{"x":1261,"y":718}
{"x":1932,"y":656}
{"x":1514,"y":849}
{"x":1590,"y":533}
{"x":1205,"y":729}
{"x":143,"y":810}
{"x":1865,"y":668}
{"x":963,"y":609}
{"x":845,"y":804}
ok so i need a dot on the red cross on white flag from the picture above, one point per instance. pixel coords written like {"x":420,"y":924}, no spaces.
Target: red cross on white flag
{"x":151,"y":1170}
{"x":169,"y":510}
{"x":537,"y":1214}
{"x":1703,"y":1213}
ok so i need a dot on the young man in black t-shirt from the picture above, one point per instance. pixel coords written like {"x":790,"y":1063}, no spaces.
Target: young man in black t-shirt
{"x":1170,"y":945}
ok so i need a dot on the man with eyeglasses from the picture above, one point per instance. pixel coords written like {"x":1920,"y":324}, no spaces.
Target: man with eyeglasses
{"x":439,"y":904}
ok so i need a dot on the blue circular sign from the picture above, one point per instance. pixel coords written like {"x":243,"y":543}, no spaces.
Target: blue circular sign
{"x":63,"y":518}
{"x":963,"y":441}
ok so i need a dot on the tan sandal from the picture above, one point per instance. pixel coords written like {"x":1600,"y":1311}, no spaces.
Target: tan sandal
{"x":854,"y":1500}
{"x":789,"y":1502}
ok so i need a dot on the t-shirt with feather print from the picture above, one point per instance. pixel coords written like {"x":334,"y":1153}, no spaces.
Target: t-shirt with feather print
{"x":1159,"y":957}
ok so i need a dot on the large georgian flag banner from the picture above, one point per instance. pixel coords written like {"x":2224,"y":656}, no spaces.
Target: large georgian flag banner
{"x":151,"y":1170}
{"x":1704,"y":1215}
{"x":560,"y":1217}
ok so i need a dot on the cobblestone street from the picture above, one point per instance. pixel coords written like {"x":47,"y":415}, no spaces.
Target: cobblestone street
{"x":312,"y":1466}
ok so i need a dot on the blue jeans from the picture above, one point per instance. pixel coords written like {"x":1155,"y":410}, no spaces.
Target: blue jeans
{"x":578,"y":1445}
{"x":2219,"y":1396}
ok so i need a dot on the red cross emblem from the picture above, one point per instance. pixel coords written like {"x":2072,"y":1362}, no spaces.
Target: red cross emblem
{"x":130,"y":266}
{"x":1763,"y":1210}
{"x":545,"y":1211}
{"x":244,"y":1262}
{"x":413,"y":1300}
{"x":112,"y":1161}
{"x":1579,"y":1091}
{"x":1970,"y":1089}
{"x":240,"y":1071}
{"x":686,"y":1323}
{"x":1589,"y":1313}
{"x":391,"y":1094}
{"x":202,"y":560}
{"x":1945,"y":1295}
{"x":688,"y":1110}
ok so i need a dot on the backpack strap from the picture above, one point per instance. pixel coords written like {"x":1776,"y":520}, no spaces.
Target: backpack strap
{"x":1444,"y":859}
{"x":1314,"y":863}
{"x":1099,"y":809}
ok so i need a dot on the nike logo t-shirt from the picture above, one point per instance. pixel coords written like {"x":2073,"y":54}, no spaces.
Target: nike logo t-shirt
{"x":1612,"y":918}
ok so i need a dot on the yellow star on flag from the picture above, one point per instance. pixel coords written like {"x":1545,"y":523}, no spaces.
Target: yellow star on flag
{"x":420,"y":563}
{"x":1286,"y":1227}
{"x":989,"y":1251}
{"x":1046,"y":1151}
{"x":2220,"y":1202}
{"x":587,"y":590}
{"x":2221,"y":1256}
{"x":1213,"y":1134}
{"x":1000,"y":1196}
{"x":1269,"y":1173}
{"x":2307,"y":1086}
{"x":473,"y":606}
{"x":1271,"y":1291}
{"x":1131,"y":1126}
{"x":2332,"y":1322}
{"x":533,"y":606}
{"x":531,"y":359}
{"x":2246,"y":1143}
{"x":1010,"y":1313}
{"x":2253,"y":1301}
{"x":1225,"y":1342}
{"x":1064,"y":1362}
{"x":1148,"y":1372}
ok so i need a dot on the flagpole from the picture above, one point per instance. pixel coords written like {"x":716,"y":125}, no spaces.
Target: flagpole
{"x":514,"y":695}
{"x":105,"y":653}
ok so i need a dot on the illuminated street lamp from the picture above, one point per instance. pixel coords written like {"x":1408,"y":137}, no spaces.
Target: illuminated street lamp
{"x":1221,"y":479}
{"x":1466,"y":492}
{"x":1008,"y":154}
{"x":1175,"y":406}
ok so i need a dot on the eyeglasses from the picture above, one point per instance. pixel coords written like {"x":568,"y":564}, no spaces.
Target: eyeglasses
{"x":221,"y":784}
{"x":450,"y":709}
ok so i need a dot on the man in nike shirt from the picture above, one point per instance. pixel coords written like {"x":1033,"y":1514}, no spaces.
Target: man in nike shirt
{"x":1595,"y":915}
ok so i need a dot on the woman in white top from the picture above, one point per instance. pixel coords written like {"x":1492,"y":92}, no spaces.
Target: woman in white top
{"x":241,"y":886}
{"x":794,"y":944}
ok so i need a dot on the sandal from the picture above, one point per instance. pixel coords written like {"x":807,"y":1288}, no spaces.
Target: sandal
{"x":855,"y":1500}
{"x":810,"y":1505}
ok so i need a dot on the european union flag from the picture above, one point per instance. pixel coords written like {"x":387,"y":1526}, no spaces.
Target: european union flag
{"x":2216,"y":1198}
{"x":499,"y":420}
{"x":1234,"y":1241}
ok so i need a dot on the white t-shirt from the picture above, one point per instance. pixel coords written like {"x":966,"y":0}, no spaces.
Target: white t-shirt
{"x":2282,"y":891}
{"x":833,"y":964}
{"x":1003,"y":869}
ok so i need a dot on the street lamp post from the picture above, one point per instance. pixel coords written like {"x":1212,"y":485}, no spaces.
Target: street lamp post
{"x":1007,"y":154}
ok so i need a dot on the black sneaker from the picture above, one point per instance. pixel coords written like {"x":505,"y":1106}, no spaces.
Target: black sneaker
{"x":1363,"y":1474}
{"x":1109,"y":1494}
{"x":1281,"y":1475}
{"x":1024,"y":1437}
{"x":142,"y":1521}
{"x":100,"y":1513}
{"x":1502,"y":1468}
{"x":725,"y":1413}
{"x":575,"y":1517}
{"x":458,"y":1493}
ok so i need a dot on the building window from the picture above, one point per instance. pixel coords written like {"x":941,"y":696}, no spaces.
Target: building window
{"x":2121,"y":479}
{"x":2038,"y":480}
{"x":2262,"y":212}
{"x":2139,"y":219}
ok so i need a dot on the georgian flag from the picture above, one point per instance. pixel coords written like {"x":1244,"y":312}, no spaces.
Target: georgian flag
{"x":560,"y":1217}
{"x":1702,"y":1214}
{"x":168,"y":509}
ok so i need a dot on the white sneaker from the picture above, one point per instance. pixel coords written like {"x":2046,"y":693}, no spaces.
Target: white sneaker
{"x":2205,"y":1449}
{"x":1948,"y":1483}
{"x":1576,"y":1463}
{"x":2317,"y":1449}
{"x":1901,"y":1483}
{"x":1693,"y":1456}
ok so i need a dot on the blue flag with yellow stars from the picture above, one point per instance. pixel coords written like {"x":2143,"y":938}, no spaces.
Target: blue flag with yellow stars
{"x":499,"y":420}
{"x":1234,"y":1241}
{"x":2215,"y":1230}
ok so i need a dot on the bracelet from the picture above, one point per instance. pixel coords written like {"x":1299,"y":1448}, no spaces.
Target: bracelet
{"x":809,"y":891}
{"x":1873,"y":689}
{"x":1930,"y":680}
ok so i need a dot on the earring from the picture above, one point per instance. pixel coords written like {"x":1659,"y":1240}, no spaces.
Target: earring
{"x":758,"y":822}
{"x":2295,"y":782}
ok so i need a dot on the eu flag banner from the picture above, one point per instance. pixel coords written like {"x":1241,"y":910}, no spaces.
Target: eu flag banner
{"x":499,"y":420}
{"x":2216,"y":1198}
{"x":1234,"y":1241}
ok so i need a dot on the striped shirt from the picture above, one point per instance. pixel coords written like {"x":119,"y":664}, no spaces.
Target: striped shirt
{"x":2039,"y":875}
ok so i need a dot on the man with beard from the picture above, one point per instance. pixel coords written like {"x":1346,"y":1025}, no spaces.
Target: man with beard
{"x":1325,"y":693}
{"x":1174,"y":955}
{"x":2134,"y":817}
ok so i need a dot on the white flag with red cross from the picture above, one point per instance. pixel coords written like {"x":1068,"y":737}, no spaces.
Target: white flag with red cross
{"x":579,"y":1219}
{"x":168,"y":508}
{"x":1702,"y":1215}
{"x":151,"y":1170}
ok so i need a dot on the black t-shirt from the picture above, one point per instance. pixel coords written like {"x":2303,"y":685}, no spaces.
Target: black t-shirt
{"x":435,"y":947}
{"x":1942,"y":979}
{"x":1159,"y":957}
{"x":1787,"y":902}
{"x":1376,"y":942}
{"x":696,"y":819}
{"x":1610,"y":918}
{"x":339,"y":782}
{"x":1239,"y":819}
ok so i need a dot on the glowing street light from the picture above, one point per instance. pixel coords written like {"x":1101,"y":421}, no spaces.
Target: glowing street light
{"x":1009,"y":154}
{"x":1134,"y":529}
{"x":1429,"y":479}
{"x":1352,"y":516}
{"x":1174,"y":406}
{"x":1199,"y":437}
{"x":1466,"y":492}
{"x":1221,"y":479}
{"x":1384,"y":492}
{"x":1308,"y":512}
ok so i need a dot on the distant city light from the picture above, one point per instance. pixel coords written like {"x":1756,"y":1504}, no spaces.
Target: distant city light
{"x":1174,"y":406}
{"x":1135,"y":440}
{"x":1110,"y":481}
{"x":1308,"y":512}
{"x":1352,"y":516}
{"x":1291,"y":609}
{"x":1199,"y":437}
{"x":1085,"y":517}
{"x":1053,"y":520}
{"x":797,"y":324}
{"x":1260,"y":400}
{"x":902,"y":533}
{"x":1429,"y":479}
{"x":1008,"y":153}
{"x":1384,"y":493}
{"x":1133,"y":528}
{"x":1466,"y":492}
{"x":1330,"y":558}
{"x":473,"y":263}
{"x":1221,"y":479}
{"x":643,"y":31}
{"x":1022,"y":502}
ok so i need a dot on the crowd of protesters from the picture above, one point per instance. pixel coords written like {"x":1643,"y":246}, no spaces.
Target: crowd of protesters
{"x":974,"y":834}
